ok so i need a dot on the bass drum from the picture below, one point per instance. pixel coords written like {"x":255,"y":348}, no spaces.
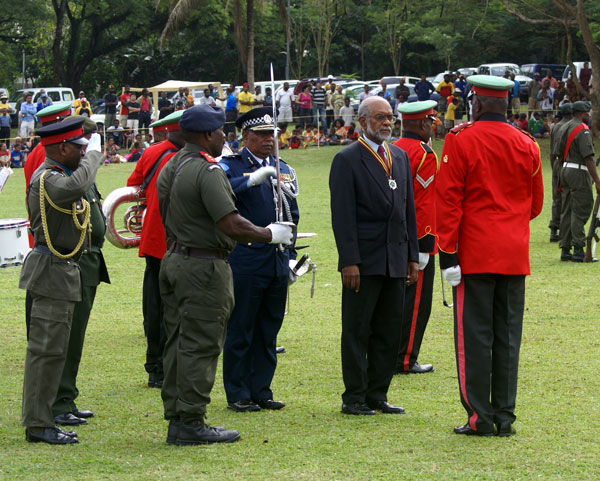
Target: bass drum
{"x":14,"y":242}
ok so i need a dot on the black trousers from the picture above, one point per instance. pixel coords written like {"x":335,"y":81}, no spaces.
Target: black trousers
{"x":5,"y":135}
{"x":488,"y":321}
{"x":230,"y":118}
{"x":417,"y":309}
{"x":371,"y":325}
{"x":154,"y":326}
{"x":145,"y":121}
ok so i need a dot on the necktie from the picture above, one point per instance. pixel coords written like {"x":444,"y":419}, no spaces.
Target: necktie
{"x":381,"y":152}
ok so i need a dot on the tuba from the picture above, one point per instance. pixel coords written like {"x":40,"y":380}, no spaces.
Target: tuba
{"x":128,"y":235}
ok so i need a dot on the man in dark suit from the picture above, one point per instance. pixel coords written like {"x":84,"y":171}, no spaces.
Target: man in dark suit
{"x":375,"y":228}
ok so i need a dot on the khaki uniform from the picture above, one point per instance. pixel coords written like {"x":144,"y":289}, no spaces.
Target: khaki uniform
{"x":555,"y":138}
{"x":576,"y":186}
{"x":54,"y":284}
{"x":196,"y":287}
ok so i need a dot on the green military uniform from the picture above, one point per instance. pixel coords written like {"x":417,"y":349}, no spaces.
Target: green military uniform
{"x":93,"y":271}
{"x":54,"y":283}
{"x":195,"y":279}
{"x":556,"y":156}
{"x":576,"y":186}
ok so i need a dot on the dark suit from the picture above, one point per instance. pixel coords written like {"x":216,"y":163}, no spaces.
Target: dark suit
{"x":375,"y":228}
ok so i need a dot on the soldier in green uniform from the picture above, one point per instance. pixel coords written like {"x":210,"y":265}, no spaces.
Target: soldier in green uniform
{"x":59,"y":219}
{"x":576,"y":177}
{"x":201,"y":221}
{"x":93,"y":271}
{"x":556,"y":162}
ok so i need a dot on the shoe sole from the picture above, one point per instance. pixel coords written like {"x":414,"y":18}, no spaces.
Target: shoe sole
{"x":358,"y":414}
{"x":248,"y":410}
{"x":36,"y":440}
{"x":71,"y":424}
{"x":179,"y":442}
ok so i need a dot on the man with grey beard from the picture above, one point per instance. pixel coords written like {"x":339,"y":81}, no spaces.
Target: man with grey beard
{"x":375,"y":228}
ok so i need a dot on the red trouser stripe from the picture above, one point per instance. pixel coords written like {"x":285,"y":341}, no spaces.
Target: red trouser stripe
{"x":413,"y":323}
{"x":460,"y":346}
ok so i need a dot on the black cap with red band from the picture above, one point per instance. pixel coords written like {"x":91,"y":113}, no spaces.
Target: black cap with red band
{"x":69,"y":130}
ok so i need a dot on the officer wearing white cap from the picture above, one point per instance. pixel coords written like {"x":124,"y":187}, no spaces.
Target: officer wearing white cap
{"x":61,"y":229}
{"x":202,"y":223}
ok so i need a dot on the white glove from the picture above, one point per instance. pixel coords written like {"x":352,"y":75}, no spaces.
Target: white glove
{"x":260,"y":175}
{"x":280,"y":233}
{"x":452,"y":275}
{"x":94,"y":143}
{"x":292,"y":277}
{"x":423,"y":260}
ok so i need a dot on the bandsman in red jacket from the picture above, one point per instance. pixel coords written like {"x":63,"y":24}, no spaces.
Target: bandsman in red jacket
{"x":417,"y":123}
{"x":152,"y":240}
{"x":489,"y":187}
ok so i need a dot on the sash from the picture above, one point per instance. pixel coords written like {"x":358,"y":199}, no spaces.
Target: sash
{"x":386,"y":164}
{"x":571,"y":138}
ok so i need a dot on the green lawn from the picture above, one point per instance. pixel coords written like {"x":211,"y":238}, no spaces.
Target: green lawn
{"x":558,"y":404}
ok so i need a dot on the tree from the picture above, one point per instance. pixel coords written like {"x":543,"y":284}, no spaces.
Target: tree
{"x":323,"y":18}
{"x":571,"y":14}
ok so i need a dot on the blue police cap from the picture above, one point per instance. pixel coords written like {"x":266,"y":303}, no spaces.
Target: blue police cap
{"x":202,"y":118}
{"x":257,"y":120}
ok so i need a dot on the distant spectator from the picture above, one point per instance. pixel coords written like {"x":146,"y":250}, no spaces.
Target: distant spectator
{"x":145,"y":113}
{"x":584,"y":76}
{"x":136,"y":152}
{"x":111,"y":153}
{"x":459,"y":112}
{"x":572,"y":89}
{"x":258,"y":98}
{"x":424,"y":88}
{"x":268,"y":100}
{"x":233,"y":143}
{"x":110,"y":106}
{"x":337,"y":101}
{"x":560,"y":94}
{"x":516,"y":95}
{"x":522,"y":121}
{"x":133,"y":108}
{"x":402,"y":92}
{"x":230,"y":112}
{"x":124,"y":98}
{"x":212,"y":92}
{"x":4,"y":155}
{"x":364,"y":94}
{"x":84,"y":108}
{"x":295,"y":140}
{"x":115,"y":131}
{"x":549,"y":81}
{"x":396,"y":130}
{"x":512,"y":120}
{"x":347,"y":112}
{"x":445,"y":88}
{"x":17,"y":158}
{"x":32,"y":141}
{"x":189,"y":99}
{"x":5,"y":120}
{"x":20,"y":102}
{"x":246,"y":99}
{"x":351,"y":135}
{"x":461,"y":84}
{"x":179,"y":95}
{"x":545,"y":98}
{"x":284,"y":135}
{"x":180,"y":105}
{"x":319,"y":97}
{"x":164,"y":106}
{"x":329,"y":112}
{"x":304,"y":102}
{"x":27,"y":114}
{"x":48,"y":99}
{"x":536,"y":126}
{"x":284,"y":100}
{"x":147,"y":139}
{"x":77,"y":102}
{"x":43,"y":102}
{"x":533,"y":103}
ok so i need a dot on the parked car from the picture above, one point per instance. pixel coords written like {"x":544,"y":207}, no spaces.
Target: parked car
{"x":530,"y":69}
{"x":467,"y":71}
{"x":396,"y":80}
{"x":498,"y":70}
{"x":391,"y":88}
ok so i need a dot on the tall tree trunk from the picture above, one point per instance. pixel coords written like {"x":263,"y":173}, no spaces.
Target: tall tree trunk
{"x":250,"y":32}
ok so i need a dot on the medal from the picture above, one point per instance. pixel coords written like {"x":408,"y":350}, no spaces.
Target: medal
{"x":393,"y":184}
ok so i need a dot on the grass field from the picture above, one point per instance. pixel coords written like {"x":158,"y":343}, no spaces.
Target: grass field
{"x":558,"y":404}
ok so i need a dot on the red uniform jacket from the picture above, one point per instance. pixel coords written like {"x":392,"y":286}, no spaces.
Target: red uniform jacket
{"x":489,"y":187}
{"x":152,"y":238}
{"x":34,"y":160}
{"x":424,"y":167}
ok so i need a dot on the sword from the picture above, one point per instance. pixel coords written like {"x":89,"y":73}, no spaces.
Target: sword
{"x":276,"y":148}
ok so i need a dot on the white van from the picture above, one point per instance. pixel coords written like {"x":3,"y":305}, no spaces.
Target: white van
{"x":56,"y":94}
{"x":578,"y":67}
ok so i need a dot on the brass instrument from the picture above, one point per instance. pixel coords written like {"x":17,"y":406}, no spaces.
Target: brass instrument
{"x":132,"y":219}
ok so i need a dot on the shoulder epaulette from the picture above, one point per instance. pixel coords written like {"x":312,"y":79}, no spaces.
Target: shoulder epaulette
{"x":461,"y":127}
{"x":527,"y":133}
{"x":426,"y":148}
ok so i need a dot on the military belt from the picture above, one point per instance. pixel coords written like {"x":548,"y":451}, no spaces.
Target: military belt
{"x":572,"y":165}
{"x":197,"y":252}
{"x":43,"y":249}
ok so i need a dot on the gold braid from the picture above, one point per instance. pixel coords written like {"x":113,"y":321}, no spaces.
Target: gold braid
{"x":84,"y":226}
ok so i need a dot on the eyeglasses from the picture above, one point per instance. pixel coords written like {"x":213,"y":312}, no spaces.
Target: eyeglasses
{"x":382,"y":117}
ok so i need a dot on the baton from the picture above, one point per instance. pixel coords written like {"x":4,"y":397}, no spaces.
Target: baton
{"x":444,"y":292}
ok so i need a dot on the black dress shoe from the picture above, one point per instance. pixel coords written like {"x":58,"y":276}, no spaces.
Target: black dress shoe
{"x":385,"y":407}
{"x":269,"y":404}
{"x":67,"y":433}
{"x":417,"y":369}
{"x":68,"y":419}
{"x":192,"y":433}
{"x":83,"y":413}
{"x":280,"y":350}
{"x":357,"y":409}
{"x":466,"y":429}
{"x":243,"y":406}
{"x":505,"y":430}
{"x":49,"y":435}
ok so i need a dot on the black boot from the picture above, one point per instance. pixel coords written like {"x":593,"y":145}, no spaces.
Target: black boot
{"x":565,"y":254}
{"x":553,"y":234}
{"x":578,"y":255}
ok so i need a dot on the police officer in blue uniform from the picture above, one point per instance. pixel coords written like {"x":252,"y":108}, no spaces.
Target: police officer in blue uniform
{"x":261,"y":271}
